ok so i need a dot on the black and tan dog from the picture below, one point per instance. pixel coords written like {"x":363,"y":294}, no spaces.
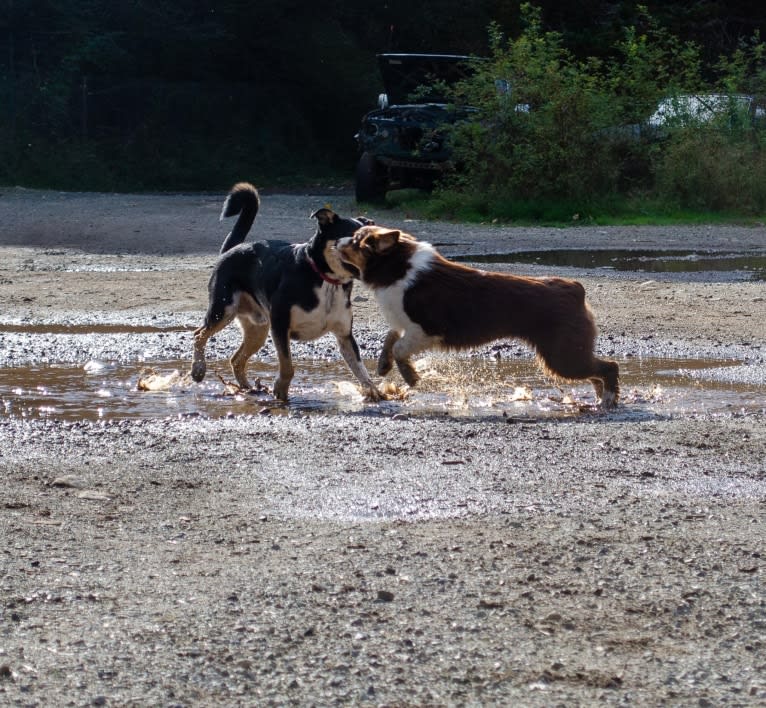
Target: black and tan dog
{"x":299,"y":291}
{"x":430,"y":302}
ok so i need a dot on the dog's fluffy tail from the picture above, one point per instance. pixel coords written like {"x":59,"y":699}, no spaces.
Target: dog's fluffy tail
{"x":243,"y":200}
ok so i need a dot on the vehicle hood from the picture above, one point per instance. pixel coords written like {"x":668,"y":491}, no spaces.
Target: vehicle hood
{"x":403,"y":74}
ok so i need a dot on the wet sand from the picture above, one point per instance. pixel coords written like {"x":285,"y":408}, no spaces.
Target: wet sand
{"x":384,"y":555}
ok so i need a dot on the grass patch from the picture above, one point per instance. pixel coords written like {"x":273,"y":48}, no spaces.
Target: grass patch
{"x":614,"y":211}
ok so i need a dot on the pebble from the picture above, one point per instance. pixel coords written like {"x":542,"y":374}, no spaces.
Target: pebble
{"x":69,"y":481}
{"x":93,"y":495}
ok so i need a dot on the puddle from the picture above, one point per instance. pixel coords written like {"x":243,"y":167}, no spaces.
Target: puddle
{"x":752,"y":265}
{"x":88,"y":328}
{"x":452,"y":386}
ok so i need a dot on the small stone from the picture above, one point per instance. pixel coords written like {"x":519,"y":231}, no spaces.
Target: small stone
{"x":385,"y":596}
{"x":490,"y":604}
{"x":93,"y":495}
{"x":68,"y":481}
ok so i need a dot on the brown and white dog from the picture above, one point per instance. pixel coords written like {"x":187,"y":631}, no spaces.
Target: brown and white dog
{"x":430,"y":302}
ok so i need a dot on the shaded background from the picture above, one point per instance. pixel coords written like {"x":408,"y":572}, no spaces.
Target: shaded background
{"x":172,"y":94}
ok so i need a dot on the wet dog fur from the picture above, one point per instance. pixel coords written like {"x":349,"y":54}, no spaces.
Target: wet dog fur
{"x":298,"y":291}
{"x":430,"y":302}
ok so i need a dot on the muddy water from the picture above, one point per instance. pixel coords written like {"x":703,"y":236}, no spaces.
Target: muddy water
{"x":748,"y":265}
{"x":512,"y":388}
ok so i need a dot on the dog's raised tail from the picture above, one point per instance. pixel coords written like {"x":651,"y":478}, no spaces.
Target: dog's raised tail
{"x":243,"y":200}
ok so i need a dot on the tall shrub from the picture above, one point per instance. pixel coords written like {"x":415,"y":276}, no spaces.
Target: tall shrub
{"x":550,"y":127}
{"x":540,"y":115}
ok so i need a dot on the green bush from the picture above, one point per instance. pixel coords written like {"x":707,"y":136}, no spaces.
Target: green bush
{"x":532,"y":140}
{"x":574,"y":132}
{"x":708,"y":169}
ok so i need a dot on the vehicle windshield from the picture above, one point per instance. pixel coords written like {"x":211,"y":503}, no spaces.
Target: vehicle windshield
{"x":405,"y":74}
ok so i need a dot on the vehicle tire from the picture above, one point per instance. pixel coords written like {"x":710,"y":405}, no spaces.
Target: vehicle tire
{"x":371,"y":182}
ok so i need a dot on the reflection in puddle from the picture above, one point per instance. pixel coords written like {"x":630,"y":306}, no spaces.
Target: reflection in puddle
{"x":450,"y":385}
{"x":753,"y":264}
{"x":88,"y":328}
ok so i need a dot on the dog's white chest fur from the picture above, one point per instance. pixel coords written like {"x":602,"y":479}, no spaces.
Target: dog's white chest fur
{"x":391,"y":299}
{"x":330,"y":315}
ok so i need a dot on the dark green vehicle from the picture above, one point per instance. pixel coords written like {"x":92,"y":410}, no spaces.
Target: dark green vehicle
{"x":404,"y":143}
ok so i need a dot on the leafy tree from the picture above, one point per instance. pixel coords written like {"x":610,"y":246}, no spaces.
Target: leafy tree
{"x":180,"y":94}
{"x":574,"y":131}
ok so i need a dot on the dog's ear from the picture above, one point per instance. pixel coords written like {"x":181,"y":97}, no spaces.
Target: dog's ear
{"x":364,"y":221}
{"x":386,"y":239}
{"x":324,"y":216}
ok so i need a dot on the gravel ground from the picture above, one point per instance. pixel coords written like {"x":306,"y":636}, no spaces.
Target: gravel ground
{"x":372,"y":557}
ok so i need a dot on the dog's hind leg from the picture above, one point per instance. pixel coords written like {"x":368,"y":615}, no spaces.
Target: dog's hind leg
{"x":201,"y":335}
{"x":349,"y":350}
{"x":565,"y":351}
{"x":253,"y":338}
{"x":414,"y":341}
{"x":254,"y":323}
{"x":571,"y":359}
{"x":606,"y":382}
{"x":386,"y":358}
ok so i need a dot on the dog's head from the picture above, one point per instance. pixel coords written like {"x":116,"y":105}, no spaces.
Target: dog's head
{"x":380,"y":255}
{"x":331,"y":228}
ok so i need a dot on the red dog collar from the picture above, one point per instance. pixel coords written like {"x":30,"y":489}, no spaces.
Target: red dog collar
{"x":324,"y":277}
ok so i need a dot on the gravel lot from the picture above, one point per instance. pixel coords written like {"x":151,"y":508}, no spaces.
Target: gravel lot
{"x":370,"y":557}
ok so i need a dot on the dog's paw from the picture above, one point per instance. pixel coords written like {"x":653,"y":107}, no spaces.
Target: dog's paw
{"x":384,"y":366}
{"x":198,"y":371}
{"x":373,"y":395}
{"x":280,"y":390}
{"x":407,"y":370}
{"x":244,"y":384}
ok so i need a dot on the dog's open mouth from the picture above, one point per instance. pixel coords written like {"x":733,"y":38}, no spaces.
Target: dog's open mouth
{"x":350,"y":267}
{"x":353,"y":270}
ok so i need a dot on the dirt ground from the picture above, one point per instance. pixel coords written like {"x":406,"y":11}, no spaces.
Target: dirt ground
{"x":369,"y":557}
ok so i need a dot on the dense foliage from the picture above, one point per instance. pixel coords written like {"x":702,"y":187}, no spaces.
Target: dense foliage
{"x":575,"y":132}
{"x":188,"y":94}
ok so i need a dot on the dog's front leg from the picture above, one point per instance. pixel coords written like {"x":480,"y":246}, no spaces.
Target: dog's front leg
{"x":386,"y":358}
{"x":281,"y":339}
{"x":403,"y":349}
{"x":413,"y":341}
{"x":350,"y":352}
{"x":407,"y":370}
